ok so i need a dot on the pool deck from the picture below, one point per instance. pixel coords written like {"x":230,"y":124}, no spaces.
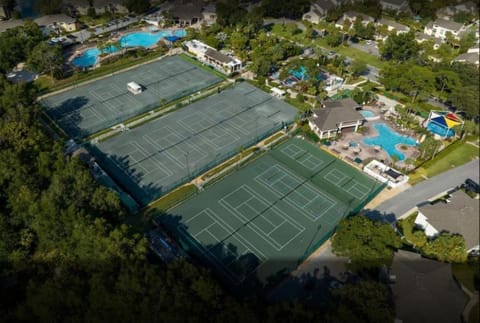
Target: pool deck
{"x":342,"y":149}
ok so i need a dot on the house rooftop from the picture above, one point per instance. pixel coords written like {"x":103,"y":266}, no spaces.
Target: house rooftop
{"x":218,"y":56}
{"x":448,"y":24}
{"x":355,"y":14}
{"x":394,"y":2}
{"x":460,"y":215}
{"x":51,"y":19}
{"x":334,"y":113}
{"x":186,"y":10}
{"x":424,"y":290}
{"x":394,"y":24}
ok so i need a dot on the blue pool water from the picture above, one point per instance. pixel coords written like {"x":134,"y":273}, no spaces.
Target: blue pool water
{"x":441,"y":131}
{"x":148,"y":39}
{"x":367,"y":113}
{"x":143,"y":39}
{"x":387,"y":139}
{"x":300,"y":73}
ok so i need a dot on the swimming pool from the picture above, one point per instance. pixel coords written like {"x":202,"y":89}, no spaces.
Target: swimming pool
{"x":387,"y":139}
{"x":144,"y":39}
{"x":367,"y":113}
{"x":90,"y":56}
{"x":441,"y":131}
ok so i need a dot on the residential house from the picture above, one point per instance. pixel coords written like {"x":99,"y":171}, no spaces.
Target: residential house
{"x":82,"y":7}
{"x":458,"y":215}
{"x":54,"y":22}
{"x":335,"y":117}
{"x":471,"y":56}
{"x":208,"y":55}
{"x":209,"y":14}
{"x":186,"y":13}
{"x":440,"y":27}
{"x":318,"y":10}
{"x":395,"y":5}
{"x":425,"y":290}
{"x":392,"y":26}
{"x":421,"y":38}
{"x":450,"y":11}
{"x":351,"y":16}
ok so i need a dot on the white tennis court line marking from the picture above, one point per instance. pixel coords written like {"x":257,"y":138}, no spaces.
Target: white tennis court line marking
{"x":213,"y":216}
{"x":306,"y":212}
{"x":335,"y":177}
{"x":272,"y":242}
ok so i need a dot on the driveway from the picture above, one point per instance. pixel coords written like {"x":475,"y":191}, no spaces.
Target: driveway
{"x":371,"y":49}
{"x":394,"y":208}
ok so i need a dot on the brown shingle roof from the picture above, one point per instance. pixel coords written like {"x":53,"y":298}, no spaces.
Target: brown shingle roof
{"x":425,"y":291}
{"x":334,"y":113}
{"x":460,"y":215}
{"x":218,"y":56}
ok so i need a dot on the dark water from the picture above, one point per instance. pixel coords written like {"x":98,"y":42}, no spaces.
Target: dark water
{"x":27,"y":8}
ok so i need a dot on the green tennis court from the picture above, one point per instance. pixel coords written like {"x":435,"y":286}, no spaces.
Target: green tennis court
{"x":162,"y":154}
{"x":265,"y":218}
{"x":94,"y":106}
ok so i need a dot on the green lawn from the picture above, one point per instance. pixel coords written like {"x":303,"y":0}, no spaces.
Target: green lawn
{"x":353,"y":53}
{"x":454,"y":155}
{"x":465,"y":274}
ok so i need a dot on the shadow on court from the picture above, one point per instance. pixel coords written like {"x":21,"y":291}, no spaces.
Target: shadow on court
{"x":67,"y":115}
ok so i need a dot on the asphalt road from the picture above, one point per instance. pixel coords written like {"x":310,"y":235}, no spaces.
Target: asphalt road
{"x":398,"y":205}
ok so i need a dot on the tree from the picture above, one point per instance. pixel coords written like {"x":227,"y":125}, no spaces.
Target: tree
{"x":447,"y":247}
{"x":466,"y":100}
{"x":45,"y":57}
{"x":238,"y":41}
{"x":446,"y":80}
{"x":334,"y":38}
{"x":368,"y":244}
{"x":399,"y":47}
{"x":49,"y":7}
{"x":357,"y":68}
{"x":137,"y":6}
{"x":420,"y":81}
{"x":364,"y":301}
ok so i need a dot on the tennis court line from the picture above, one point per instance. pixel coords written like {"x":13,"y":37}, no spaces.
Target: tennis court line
{"x":248,"y":248}
{"x":271,"y":241}
{"x":284,"y":172}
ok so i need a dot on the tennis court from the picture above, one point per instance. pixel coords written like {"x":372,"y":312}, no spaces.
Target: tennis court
{"x":95,"y":106}
{"x":156,"y":157}
{"x":266,"y":217}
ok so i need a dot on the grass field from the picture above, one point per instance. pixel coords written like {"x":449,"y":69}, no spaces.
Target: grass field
{"x":454,"y":155}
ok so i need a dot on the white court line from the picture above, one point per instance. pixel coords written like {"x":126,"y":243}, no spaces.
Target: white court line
{"x":292,"y":202}
{"x":159,"y":165}
{"x":213,"y":216}
{"x":338,"y":174}
{"x":316,"y":162}
{"x":254,"y":227}
{"x":292,"y":150}
{"x":230,"y":230}
{"x":211,"y":257}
